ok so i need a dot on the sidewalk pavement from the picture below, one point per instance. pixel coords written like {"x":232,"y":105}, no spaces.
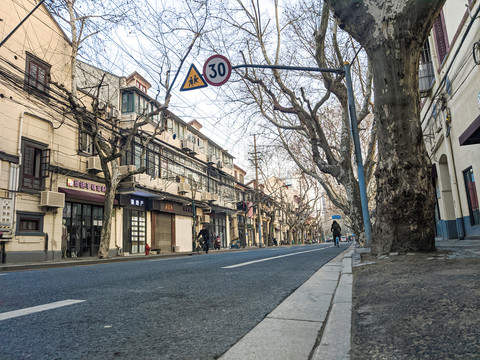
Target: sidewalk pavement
{"x":312,"y":323}
{"x":417,"y":305}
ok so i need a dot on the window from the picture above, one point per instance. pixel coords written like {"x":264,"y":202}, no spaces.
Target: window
{"x":153,"y":160}
{"x":36,"y":164}
{"x":29,"y":223}
{"x":85,"y":144}
{"x":440,"y":34}
{"x":37,"y":74}
{"x":128,"y":102}
{"x":155,"y":119}
{"x":426,"y":74}
{"x":472,"y":197}
{"x":142,"y":87}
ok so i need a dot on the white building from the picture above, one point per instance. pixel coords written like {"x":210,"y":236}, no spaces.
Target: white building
{"x":449,"y":79}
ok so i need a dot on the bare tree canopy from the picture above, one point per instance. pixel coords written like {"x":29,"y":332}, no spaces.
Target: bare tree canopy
{"x":306,"y":113}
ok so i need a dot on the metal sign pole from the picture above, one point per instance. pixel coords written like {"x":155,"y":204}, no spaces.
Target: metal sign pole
{"x":358,"y":154}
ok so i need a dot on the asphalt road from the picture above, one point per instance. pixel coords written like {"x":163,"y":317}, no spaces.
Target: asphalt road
{"x":193,"y":307}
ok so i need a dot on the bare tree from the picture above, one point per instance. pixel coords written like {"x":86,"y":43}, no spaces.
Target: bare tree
{"x":110,"y":139}
{"x":308,"y":110}
{"x":392,"y":33}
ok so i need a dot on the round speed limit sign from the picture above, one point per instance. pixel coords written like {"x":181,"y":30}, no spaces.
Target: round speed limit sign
{"x":217,"y":70}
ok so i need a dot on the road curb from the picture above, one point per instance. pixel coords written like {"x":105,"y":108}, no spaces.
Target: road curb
{"x":334,"y":342}
{"x":292,"y":329}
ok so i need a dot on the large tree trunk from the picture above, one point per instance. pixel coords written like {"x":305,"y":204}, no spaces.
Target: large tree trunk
{"x":405,"y":197}
{"x":392,"y":33}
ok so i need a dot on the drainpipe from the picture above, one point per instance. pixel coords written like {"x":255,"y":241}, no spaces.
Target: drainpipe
{"x":15,"y":173}
{"x":457,"y":205}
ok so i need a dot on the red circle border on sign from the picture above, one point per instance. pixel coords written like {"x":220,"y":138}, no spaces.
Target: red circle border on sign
{"x":229,"y":70}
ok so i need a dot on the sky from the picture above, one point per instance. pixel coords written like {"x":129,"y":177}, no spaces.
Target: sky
{"x":121,"y":55}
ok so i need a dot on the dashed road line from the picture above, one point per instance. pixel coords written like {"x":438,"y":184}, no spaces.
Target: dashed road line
{"x":34,"y":309}
{"x":272,"y":258}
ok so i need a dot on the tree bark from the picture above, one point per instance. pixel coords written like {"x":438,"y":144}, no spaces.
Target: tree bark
{"x":405,"y":197}
{"x":392,"y":33}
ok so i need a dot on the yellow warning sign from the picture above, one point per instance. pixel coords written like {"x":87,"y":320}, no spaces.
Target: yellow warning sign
{"x":193,"y":80}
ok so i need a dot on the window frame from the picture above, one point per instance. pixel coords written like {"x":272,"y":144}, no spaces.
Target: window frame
{"x":130,"y":102}
{"x":35,"y":169}
{"x":29,"y":216}
{"x":85,"y":144}
{"x":441,"y":38}
{"x":32,"y":83}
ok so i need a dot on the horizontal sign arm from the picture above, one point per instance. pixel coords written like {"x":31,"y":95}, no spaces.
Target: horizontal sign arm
{"x":282,"y":67}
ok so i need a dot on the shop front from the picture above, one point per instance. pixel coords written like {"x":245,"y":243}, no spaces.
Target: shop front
{"x":134,"y":223}
{"x":171,"y":226}
{"x":82,"y":217}
{"x":218,"y":227}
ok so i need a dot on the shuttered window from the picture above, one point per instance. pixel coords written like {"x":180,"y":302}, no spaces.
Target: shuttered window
{"x":36,"y":164}
{"x":441,"y":39}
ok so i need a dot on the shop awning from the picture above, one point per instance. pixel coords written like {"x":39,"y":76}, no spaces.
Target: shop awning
{"x":472,"y":134}
{"x":86,"y":196}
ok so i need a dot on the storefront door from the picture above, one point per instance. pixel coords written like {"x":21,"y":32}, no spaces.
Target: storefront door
{"x":84,"y":224}
{"x":134,"y":231}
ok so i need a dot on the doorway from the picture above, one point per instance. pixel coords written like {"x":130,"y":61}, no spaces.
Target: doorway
{"x":162,"y":238}
{"x":84,"y":227}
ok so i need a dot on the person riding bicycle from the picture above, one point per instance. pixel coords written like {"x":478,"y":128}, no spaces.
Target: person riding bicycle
{"x":336,"y":229}
{"x":206,"y":238}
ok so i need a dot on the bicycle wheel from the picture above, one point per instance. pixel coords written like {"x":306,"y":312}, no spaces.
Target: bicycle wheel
{"x":198,"y":248}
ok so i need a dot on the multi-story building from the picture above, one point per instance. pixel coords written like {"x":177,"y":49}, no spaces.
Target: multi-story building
{"x":52,"y":185}
{"x":35,"y":138}
{"x":450,"y":113}
{"x":189,"y":179}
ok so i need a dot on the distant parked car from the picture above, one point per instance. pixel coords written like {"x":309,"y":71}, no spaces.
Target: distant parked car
{"x":343,"y":238}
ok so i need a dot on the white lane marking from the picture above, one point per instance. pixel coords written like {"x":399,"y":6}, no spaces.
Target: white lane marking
{"x":34,"y":309}
{"x":272,"y":258}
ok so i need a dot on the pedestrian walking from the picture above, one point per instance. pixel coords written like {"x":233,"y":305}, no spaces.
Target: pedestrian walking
{"x":337,"y":232}
{"x":64,"y":239}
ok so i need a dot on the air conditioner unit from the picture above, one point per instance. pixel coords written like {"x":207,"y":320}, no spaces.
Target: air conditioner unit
{"x":115,"y":113}
{"x":124,"y":169}
{"x":52,"y":199}
{"x":214,"y":197}
{"x":211,"y":159}
{"x":187,"y":145}
{"x":205,"y":219}
{"x":220,"y":164}
{"x":194,"y":150}
{"x":183,"y":188}
{"x":206,"y":196}
{"x":93,"y":164}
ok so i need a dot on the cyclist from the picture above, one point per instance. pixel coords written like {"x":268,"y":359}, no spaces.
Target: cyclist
{"x":206,"y":239}
{"x":336,"y":229}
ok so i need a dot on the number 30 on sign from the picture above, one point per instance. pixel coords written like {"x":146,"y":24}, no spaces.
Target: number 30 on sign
{"x":217,"y":70}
